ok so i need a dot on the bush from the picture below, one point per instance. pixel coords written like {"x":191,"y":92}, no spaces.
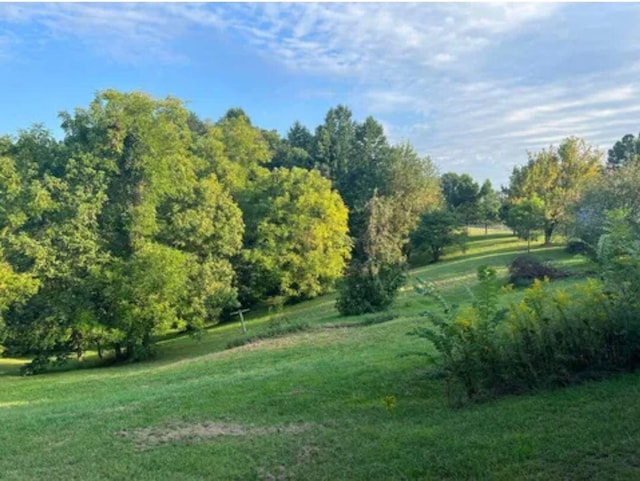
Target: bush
{"x":465,"y":339}
{"x":547,"y":339}
{"x":525,"y":269}
{"x":578,"y":246}
{"x":364,"y":290}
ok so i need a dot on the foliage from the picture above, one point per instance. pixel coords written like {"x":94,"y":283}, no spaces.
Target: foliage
{"x":411,"y":187}
{"x":578,"y":246}
{"x":615,"y":189}
{"x":461,"y":194}
{"x":365,"y":289}
{"x":378,"y":268}
{"x":465,"y":338}
{"x":127,"y":232}
{"x":488,"y":205}
{"x":558,"y":176}
{"x":549,"y":338}
{"x":624,"y":151}
{"x":436,"y":231}
{"x":296,"y":241}
{"x":526,"y":217}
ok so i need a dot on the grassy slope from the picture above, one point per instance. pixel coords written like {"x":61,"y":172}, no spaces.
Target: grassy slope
{"x":64,"y":425}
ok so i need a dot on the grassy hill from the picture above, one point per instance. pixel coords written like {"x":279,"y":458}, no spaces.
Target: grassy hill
{"x":342,"y":399}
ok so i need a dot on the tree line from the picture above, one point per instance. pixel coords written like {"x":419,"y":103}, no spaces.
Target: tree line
{"x":145,"y":218}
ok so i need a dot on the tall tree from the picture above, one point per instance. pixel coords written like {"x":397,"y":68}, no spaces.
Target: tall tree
{"x":558,"y":176}
{"x":126,"y":231}
{"x":624,"y":151}
{"x":375,"y":275}
{"x":334,"y":142}
{"x":299,"y":137}
{"x":617,"y":190}
{"x":488,"y":205}
{"x":296,"y":242}
{"x":461,"y":194}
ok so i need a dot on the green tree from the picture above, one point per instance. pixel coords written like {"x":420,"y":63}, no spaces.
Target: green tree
{"x":412,"y":186}
{"x":624,"y":151}
{"x":373,"y":278}
{"x":125,"y":229}
{"x":616,"y":189}
{"x":334,"y":143}
{"x":437,"y":229}
{"x":299,"y":137}
{"x":296,"y":242}
{"x":526,"y":217}
{"x":488,"y":205}
{"x":461,"y":194}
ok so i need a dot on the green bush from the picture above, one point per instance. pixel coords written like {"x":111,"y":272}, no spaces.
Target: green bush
{"x":465,"y":339}
{"x":549,"y":338}
{"x":364,"y":290}
{"x":578,"y":246}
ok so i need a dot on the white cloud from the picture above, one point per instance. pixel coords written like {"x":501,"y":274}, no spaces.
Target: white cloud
{"x":480,"y":83}
{"x":126,"y":32}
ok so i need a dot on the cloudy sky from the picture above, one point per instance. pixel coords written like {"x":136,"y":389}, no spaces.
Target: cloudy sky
{"x":475,"y":86}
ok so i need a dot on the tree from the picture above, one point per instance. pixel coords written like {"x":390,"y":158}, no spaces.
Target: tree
{"x":526,"y":216}
{"x":299,"y":137}
{"x":285,"y":153}
{"x":558,"y":177}
{"x":296,"y":243}
{"x":615,"y":190}
{"x":437,"y":229}
{"x":624,"y":151}
{"x":15,"y":288}
{"x":236,"y":151}
{"x":374,"y":277}
{"x":413,"y":187}
{"x":488,"y":204}
{"x":334,"y":143}
{"x":126,"y":231}
{"x":461,"y":194}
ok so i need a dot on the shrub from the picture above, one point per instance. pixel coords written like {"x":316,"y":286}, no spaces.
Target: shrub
{"x":365,"y":290}
{"x":465,"y":339}
{"x":524,"y":269}
{"x":578,"y":246}
{"x":549,"y":338}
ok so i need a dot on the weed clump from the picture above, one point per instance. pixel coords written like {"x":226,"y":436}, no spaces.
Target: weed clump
{"x":549,"y":338}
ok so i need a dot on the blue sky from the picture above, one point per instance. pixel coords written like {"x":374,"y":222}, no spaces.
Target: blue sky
{"x":475,"y":86}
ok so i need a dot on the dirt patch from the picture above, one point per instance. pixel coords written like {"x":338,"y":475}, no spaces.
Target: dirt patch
{"x":199,"y":432}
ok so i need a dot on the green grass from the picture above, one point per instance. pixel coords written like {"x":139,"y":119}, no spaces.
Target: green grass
{"x":309,"y":406}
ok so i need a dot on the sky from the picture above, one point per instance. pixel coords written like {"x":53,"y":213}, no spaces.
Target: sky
{"x":474,"y":86}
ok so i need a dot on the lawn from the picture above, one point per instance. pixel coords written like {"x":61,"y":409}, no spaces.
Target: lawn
{"x":332,"y":402}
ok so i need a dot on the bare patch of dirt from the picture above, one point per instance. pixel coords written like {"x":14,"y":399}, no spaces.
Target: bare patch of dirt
{"x":199,"y":432}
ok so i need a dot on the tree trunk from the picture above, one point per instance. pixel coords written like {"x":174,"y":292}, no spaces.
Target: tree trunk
{"x":548,"y":232}
{"x":486,"y":228}
{"x":118,"y":350}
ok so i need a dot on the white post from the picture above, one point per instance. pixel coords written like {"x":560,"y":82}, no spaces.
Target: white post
{"x":239,"y":313}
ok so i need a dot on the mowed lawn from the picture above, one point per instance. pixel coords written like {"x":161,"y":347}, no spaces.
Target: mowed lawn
{"x":333,"y":402}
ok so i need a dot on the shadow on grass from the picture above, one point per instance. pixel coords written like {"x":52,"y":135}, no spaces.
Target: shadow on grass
{"x":499,"y":256}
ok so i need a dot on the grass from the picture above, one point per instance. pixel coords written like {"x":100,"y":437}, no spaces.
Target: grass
{"x":311,"y":406}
